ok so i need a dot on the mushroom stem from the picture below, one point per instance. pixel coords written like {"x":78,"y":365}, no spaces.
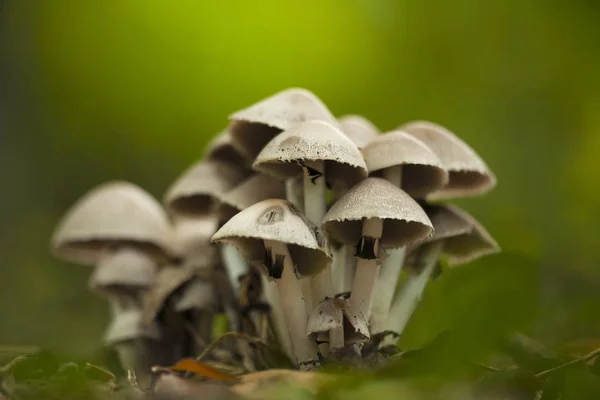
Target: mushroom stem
{"x":235,"y":265}
{"x":294,"y":194}
{"x":292,"y":303}
{"x":349,"y":269}
{"x":272,"y":297}
{"x":410,"y":294}
{"x":389,"y":273}
{"x":366,"y":269}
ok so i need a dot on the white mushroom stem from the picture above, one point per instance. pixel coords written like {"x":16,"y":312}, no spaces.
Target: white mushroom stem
{"x":292,"y":303}
{"x":410,"y":294}
{"x":349,"y":269}
{"x":294,"y":194}
{"x":235,"y":265}
{"x":271,"y":295}
{"x":389,"y":273}
{"x":366,"y":270}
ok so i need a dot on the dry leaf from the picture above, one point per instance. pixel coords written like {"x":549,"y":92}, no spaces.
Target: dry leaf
{"x":200,"y":369}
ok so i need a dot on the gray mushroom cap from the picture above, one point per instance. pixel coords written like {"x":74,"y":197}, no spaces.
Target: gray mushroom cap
{"x":114,"y":214}
{"x":313,"y":140}
{"x":277,"y":220}
{"x":468,"y":173}
{"x":465,"y":239}
{"x":256,"y":188}
{"x":194,"y":191}
{"x":253,"y":127}
{"x":197,"y":294}
{"x":221,"y":148}
{"x":122,"y":269}
{"x":127,"y":325}
{"x":358,"y":129}
{"x":422,"y":170}
{"x":331,"y":313}
{"x":404,"y":221}
{"x":193,"y":234}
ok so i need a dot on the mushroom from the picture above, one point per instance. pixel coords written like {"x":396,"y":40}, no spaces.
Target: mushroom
{"x":468,"y":173}
{"x":330,"y":316}
{"x":358,"y":129}
{"x":275,"y":237}
{"x":253,"y":127}
{"x":321,"y":153}
{"x":132,"y":341}
{"x":221,"y":148}
{"x":374,"y":214}
{"x":457,"y":235}
{"x":410,"y":165}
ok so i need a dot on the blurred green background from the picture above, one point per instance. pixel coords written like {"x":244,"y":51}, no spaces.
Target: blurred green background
{"x":99,"y":90}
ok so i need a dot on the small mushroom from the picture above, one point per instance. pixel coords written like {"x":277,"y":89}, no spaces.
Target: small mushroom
{"x":459,"y":236}
{"x":468,"y":173}
{"x":321,"y":153}
{"x":374,"y":214}
{"x":221,"y":148}
{"x":275,"y":237}
{"x":358,"y":129}
{"x":412,"y":166}
{"x":253,"y":127}
{"x":330,"y":316}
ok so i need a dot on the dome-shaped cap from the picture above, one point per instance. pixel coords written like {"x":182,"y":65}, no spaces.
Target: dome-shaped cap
{"x":221,"y":148}
{"x":313,"y":140}
{"x":257,"y":188}
{"x":194,"y":191}
{"x":404,"y":221}
{"x":197,"y":294}
{"x":127,"y":325}
{"x":112,"y":215}
{"x":468,"y":173}
{"x":465,"y":239}
{"x":168,"y":279}
{"x":253,"y":127}
{"x":126,"y":268}
{"x":277,"y":220}
{"x":332,"y":313}
{"x":422,"y":171}
{"x":193,"y":235}
{"x":358,"y":129}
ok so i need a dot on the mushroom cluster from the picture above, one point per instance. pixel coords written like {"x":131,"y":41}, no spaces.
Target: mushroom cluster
{"x":295,"y":227}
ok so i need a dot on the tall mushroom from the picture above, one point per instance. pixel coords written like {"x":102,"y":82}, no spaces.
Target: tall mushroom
{"x":457,"y":235}
{"x":373,"y":215}
{"x":253,"y":127}
{"x":321,"y":153}
{"x":124,"y":232}
{"x":410,"y":165}
{"x":275,"y":237}
{"x":468,"y":173}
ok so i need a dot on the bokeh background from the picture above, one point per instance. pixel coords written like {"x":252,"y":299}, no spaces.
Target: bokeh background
{"x":98,"y":90}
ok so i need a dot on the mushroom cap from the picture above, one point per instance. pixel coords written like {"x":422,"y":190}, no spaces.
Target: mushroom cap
{"x":465,"y":239}
{"x":404,"y":221}
{"x":197,"y":294}
{"x":277,"y":220}
{"x":422,"y":171}
{"x":167,"y":280}
{"x":253,"y":127}
{"x":358,"y":129}
{"x":193,"y":234}
{"x":126,"y":268}
{"x":194,"y":191}
{"x":468,"y":173}
{"x":465,"y":248}
{"x":256,"y":188}
{"x":127,"y":325}
{"x":221,"y":148}
{"x":113,"y":214}
{"x":332,"y":313}
{"x":313,"y":140}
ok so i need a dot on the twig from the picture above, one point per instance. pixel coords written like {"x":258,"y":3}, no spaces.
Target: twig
{"x":583,"y":359}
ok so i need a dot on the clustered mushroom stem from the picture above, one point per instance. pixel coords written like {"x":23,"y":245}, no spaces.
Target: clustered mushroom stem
{"x":410,"y":294}
{"x":294,"y":194}
{"x":281,"y":329}
{"x":389,"y":273}
{"x":366,"y":270}
{"x":292,"y":303}
{"x":349,"y":269}
{"x":235,"y":265}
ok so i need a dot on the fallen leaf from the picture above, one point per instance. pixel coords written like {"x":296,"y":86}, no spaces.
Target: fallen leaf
{"x":201,"y":369}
